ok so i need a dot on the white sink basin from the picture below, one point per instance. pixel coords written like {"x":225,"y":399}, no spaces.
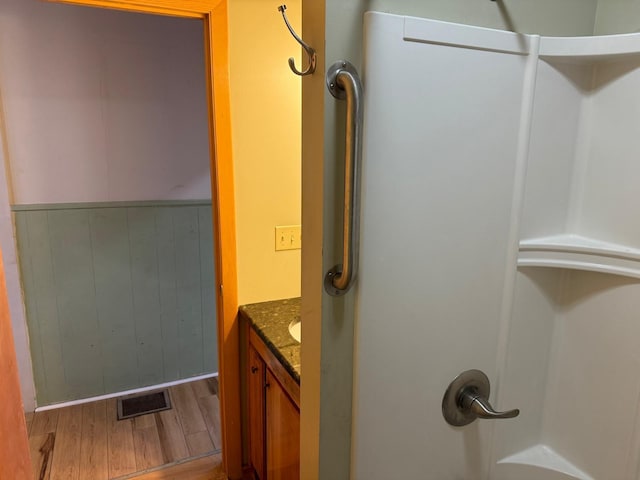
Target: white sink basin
{"x":295,"y":330}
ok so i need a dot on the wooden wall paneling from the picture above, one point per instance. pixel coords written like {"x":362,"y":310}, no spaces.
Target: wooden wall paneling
{"x":114,"y":300}
{"x":43,"y":318}
{"x":14,"y":453}
{"x":31,"y":306}
{"x":146,"y":300}
{"x":153,"y":303}
{"x":166,"y":244}
{"x":208,"y":288}
{"x":188,"y":290}
{"x":77,"y":315}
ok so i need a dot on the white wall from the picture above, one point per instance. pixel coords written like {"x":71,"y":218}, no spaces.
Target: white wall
{"x":91,"y":105}
{"x":91,"y":114}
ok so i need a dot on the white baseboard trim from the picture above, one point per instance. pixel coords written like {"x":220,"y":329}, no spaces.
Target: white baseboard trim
{"x":126,"y":392}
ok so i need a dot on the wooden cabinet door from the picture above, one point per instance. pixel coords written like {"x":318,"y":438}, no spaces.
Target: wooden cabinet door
{"x":255,"y":393}
{"x":282,"y":433}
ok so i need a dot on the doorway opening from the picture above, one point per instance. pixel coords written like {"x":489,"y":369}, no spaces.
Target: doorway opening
{"x":112,"y":199}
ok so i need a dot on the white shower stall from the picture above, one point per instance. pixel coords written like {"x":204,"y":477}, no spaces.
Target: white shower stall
{"x":500,"y":232}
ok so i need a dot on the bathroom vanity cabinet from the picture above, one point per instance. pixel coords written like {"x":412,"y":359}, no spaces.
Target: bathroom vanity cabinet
{"x":273,"y":401}
{"x":274,"y":415}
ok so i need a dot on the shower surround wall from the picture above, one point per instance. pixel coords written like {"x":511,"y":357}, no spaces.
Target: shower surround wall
{"x":531,"y":219}
{"x":108,"y":161}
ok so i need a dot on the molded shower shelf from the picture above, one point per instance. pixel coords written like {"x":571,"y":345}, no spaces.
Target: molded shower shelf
{"x":543,"y":457}
{"x":589,"y":49}
{"x":580,"y":253}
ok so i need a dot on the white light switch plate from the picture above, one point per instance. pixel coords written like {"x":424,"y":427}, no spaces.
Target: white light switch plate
{"x":288,"y":237}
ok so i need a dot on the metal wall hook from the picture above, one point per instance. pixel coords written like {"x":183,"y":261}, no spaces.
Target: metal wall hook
{"x":310,"y":51}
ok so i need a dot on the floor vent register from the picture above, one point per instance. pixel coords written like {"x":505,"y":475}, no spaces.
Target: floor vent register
{"x":143,"y":403}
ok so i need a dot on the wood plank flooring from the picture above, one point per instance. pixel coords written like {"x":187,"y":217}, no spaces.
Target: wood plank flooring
{"x":205,"y":468}
{"x":87,"y":442}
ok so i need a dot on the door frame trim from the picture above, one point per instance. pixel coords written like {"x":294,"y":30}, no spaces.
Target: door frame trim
{"x":214,"y":14}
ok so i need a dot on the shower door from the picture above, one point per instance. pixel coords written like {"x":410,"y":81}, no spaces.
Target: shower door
{"x":452,"y":118}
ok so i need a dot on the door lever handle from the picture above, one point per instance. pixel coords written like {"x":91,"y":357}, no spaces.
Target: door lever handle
{"x":470,"y":399}
{"x":466,"y":399}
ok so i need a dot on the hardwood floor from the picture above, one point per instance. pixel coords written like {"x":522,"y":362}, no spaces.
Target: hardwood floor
{"x":205,"y":468}
{"x":87,"y":442}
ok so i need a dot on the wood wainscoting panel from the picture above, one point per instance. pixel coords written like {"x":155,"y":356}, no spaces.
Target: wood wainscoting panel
{"x":117,"y":297}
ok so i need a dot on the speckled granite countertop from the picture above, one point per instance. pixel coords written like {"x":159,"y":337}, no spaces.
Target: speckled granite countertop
{"x":271,"y":322}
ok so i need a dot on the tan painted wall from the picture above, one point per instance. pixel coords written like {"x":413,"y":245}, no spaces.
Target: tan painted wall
{"x":265,"y":110}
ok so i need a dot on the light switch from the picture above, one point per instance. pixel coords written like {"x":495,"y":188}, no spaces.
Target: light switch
{"x":288,"y":237}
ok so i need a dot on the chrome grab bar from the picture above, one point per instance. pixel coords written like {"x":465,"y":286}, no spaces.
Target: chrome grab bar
{"x":344,"y":83}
